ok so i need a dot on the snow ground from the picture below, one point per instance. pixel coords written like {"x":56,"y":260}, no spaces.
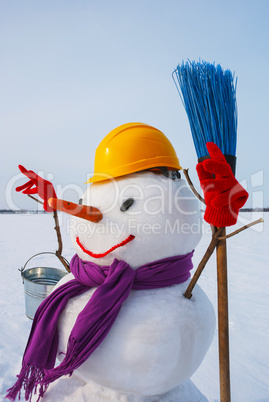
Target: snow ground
{"x":25,"y":235}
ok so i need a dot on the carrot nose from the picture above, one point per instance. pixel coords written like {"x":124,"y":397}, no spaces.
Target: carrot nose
{"x":89,"y":213}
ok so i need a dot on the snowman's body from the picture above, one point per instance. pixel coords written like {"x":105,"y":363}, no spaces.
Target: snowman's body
{"x":159,"y":338}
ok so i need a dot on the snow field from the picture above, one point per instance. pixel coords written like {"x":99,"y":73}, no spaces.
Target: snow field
{"x":25,"y":235}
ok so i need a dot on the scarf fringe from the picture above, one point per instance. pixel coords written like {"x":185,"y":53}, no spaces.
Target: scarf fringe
{"x":66,"y":367}
{"x":31,"y":376}
{"x":29,"y":379}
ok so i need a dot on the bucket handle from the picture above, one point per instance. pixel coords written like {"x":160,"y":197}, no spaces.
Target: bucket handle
{"x":47,"y":252}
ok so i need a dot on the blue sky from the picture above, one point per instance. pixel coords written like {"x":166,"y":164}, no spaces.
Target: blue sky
{"x":71,"y":71}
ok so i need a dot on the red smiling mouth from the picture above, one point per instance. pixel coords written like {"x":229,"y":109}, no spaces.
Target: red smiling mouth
{"x":129,"y":238}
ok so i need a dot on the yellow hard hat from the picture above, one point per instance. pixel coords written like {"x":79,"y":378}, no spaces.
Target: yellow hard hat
{"x":131,"y":148}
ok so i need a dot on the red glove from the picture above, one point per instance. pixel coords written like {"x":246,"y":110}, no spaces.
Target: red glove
{"x":43,"y":188}
{"x":224,"y":196}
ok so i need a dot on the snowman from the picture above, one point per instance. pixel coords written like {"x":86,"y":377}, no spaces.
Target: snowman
{"x":119,"y":320}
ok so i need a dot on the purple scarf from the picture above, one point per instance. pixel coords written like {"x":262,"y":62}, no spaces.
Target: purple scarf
{"x":93,"y":323}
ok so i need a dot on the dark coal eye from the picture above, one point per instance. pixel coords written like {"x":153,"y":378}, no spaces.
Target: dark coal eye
{"x":127,"y":204}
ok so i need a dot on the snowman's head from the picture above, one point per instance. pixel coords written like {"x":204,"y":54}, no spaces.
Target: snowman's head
{"x":145,"y":217}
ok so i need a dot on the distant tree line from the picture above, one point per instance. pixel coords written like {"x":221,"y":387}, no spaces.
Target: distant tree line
{"x":35,"y":211}
{"x":254,"y":209}
{"x":22,"y":211}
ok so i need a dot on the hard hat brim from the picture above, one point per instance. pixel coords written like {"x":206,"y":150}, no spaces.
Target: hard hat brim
{"x":170,"y":162}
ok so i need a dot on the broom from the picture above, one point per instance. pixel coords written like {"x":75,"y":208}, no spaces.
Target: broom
{"x":208,"y":94}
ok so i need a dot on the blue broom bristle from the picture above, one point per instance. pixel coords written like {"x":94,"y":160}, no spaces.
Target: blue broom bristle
{"x":208,"y":94}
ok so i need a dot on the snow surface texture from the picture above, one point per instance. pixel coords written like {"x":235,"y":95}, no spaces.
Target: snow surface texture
{"x":89,"y":392}
{"x":24,"y":235}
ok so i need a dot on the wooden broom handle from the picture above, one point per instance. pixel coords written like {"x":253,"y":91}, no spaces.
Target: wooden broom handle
{"x":223,"y":319}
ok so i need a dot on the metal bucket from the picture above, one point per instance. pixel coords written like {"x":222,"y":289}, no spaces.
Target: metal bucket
{"x":38,"y":284}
